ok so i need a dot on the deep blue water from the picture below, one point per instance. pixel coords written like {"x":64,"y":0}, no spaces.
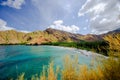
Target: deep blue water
{"x":15,"y":59}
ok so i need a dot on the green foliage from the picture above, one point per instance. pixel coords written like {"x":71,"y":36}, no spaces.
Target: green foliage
{"x":97,"y":46}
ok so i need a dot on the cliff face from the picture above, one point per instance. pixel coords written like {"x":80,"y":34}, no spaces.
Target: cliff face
{"x":38,"y":37}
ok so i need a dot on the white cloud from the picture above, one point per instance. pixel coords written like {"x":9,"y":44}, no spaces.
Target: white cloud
{"x":58,"y":22}
{"x":59,"y":25}
{"x":104,"y":15}
{"x":3,"y":26}
{"x":14,"y":3}
{"x":51,"y":10}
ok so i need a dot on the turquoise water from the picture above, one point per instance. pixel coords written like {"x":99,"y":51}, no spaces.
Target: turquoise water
{"x":15,"y":59}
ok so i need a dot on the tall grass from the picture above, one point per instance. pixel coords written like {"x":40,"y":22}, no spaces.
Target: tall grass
{"x":111,"y":66}
{"x":49,"y":74}
{"x":114,"y":44}
{"x":108,"y":69}
{"x":21,"y":77}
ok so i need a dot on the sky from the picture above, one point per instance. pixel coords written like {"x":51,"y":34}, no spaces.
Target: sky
{"x":75,"y":16}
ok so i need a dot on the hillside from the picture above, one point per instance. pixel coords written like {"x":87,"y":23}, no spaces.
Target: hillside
{"x":48,"y":35}
{"x":11,"y":37}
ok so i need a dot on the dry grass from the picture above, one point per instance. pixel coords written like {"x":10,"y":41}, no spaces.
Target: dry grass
{"x":21,"y":77}
{"x":111,"y":69}
{"x":50,"y":74}
{"x":74,"y":71}
{"x":114,"y":44}
{"x":70,"y":68}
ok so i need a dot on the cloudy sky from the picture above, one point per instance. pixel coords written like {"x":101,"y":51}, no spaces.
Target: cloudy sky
{"x":76,"y":16}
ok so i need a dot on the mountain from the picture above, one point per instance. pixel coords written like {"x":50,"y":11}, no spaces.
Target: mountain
{"x":114,"y":31}
{"x":66,"y":36}
{"x":48,"y":35}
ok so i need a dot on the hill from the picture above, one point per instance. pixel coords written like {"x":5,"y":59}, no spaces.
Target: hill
{"x":48,"y":35}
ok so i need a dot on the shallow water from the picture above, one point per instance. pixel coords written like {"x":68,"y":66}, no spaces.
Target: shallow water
{"x":15,"y":59}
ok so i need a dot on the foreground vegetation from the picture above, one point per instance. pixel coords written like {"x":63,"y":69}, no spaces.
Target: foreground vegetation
{"x":107,"y":69}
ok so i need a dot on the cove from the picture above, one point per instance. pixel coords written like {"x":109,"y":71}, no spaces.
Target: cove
{"x":15,"y":59}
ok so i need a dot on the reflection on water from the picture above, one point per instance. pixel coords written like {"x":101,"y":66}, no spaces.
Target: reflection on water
{"x":16,"y":59}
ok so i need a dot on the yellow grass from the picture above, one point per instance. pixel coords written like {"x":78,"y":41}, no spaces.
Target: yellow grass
{"x":21,"y":77}
{"x":114,"y":44}
{"x":51,"y":74}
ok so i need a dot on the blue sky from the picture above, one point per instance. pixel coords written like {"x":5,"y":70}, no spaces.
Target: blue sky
{"x":76,"y":16}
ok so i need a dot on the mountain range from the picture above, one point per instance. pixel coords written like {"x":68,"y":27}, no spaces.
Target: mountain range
{"x":48,"y":35}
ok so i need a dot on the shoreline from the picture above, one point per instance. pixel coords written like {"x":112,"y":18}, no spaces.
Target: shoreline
{"x":82,"y":51}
